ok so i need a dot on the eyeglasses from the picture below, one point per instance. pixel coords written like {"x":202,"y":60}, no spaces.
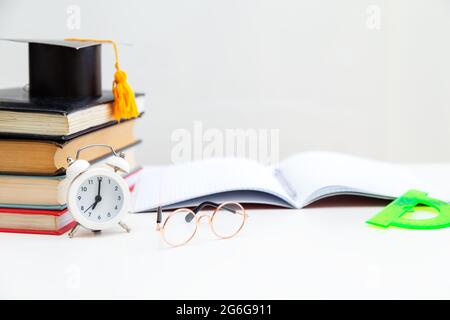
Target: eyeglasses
{"x":226,"y":221}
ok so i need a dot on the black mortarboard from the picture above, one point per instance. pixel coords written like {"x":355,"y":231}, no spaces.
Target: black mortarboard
{"x":71,"y":68}
{"x":64,"y":68}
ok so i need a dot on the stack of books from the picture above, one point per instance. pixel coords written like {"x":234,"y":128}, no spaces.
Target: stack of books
{"x":36,"y":137}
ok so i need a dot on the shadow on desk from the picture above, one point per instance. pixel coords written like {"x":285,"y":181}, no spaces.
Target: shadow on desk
{"x":348,"y":201}
{"x":331,"y":202}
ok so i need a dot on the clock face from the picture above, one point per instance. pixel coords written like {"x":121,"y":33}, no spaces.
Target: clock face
{"x":99,"y":198}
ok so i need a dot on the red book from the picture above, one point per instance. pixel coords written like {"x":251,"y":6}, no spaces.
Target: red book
{"x":35,"y":221}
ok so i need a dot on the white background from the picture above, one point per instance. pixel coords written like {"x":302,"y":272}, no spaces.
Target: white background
{"x":312,"y":69}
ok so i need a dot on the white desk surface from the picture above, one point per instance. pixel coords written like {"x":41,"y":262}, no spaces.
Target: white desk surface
{"x":321,"y":252}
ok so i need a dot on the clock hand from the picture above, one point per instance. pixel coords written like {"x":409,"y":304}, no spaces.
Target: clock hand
{"x":91,"y":206}
{"x":98,"y":197}
{"x":99,"y":185}
{"x":95,"y":203}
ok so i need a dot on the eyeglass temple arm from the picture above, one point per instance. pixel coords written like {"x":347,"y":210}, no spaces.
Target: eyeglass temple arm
{"x":202,"y":205}
{"x":158,"y":218}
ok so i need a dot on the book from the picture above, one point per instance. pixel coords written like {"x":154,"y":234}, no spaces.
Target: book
{"x":55,"y":118}
{"x":293,"y":183}
{"x":42,"y":192}
{"x":50,"y":222}
{"x":46,"y":157}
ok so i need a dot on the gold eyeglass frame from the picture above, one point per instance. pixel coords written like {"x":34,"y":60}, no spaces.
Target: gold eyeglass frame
{"x":160,"y":227}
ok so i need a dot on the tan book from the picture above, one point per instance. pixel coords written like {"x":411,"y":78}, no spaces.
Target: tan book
{"x":45,"y":157}
{"x":41,"y":192}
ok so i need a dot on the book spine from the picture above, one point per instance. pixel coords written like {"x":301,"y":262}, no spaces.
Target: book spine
{"x":58,"y":232}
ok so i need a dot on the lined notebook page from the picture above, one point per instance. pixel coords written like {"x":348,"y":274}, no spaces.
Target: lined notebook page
{"x":166,"y":185}
{"x":314,"y":174}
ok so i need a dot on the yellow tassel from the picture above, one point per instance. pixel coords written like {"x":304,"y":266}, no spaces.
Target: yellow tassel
{"x":124,"y":100}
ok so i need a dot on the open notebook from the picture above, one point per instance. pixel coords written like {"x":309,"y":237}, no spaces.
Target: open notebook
{"x":295,"y":182}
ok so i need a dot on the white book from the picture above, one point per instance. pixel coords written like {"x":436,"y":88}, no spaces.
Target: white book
{"x":295,"y":182}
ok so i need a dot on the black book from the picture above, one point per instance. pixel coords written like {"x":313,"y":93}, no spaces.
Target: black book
{"x":22,"y":116}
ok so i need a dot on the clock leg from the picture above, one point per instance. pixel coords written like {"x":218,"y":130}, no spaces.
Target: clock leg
{"x":124,"y":226}
{"x":74,"y":230}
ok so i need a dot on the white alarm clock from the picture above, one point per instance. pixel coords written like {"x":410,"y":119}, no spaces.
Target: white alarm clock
{"x":97,"y":198}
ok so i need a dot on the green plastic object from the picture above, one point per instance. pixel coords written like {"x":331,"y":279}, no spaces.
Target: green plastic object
{"x":395,"y":214}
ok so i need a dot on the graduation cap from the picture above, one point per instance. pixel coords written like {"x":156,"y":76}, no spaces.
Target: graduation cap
{"x":71,"y":68}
